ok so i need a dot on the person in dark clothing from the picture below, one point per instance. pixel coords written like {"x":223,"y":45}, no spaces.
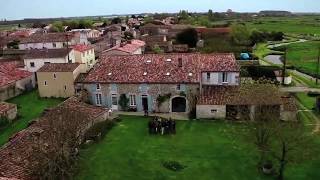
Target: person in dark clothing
{"x":173,"y":126}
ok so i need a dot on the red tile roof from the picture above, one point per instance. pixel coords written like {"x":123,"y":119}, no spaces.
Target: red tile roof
{"x":48,"y":37}
{"x":46,"y":53}
{"x":9,"y":73}
{"x":18,"y":158}
{"x":59,"y":67}
{"x":5,"y":107}
{"x":222,"y":30}
{"x":131,"y":69}
{"x":244,"y":94}
{"x":82,"y":47}
{"x":129,"y":47}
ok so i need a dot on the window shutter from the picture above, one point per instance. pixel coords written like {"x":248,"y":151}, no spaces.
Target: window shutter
{"x":220,"y":78}
{"x":230,"y":78}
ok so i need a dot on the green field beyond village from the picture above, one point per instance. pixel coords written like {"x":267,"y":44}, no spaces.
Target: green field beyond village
{"x":207,"y":150}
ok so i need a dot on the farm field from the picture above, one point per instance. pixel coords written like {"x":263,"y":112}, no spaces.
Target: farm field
{"x":288,"y":25}
{"x":129,"y":152}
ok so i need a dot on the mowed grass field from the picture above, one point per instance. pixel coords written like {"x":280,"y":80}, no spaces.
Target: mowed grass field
{"x":208,"y":150}
{"x":30,"y":107}
{"x":304,"y":55}
{"x":289,"y":25}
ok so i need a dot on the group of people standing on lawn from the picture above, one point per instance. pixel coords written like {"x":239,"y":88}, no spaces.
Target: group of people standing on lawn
{"x":162,"y":126}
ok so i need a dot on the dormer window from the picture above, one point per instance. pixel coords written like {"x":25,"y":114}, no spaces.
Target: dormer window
{"x":145,"y":73}
{"x":167,"y":74}
{"x":168,"y":60}
{"x":148,"y":61}
{"x":190,"y":74}
{"x":98,"y":86}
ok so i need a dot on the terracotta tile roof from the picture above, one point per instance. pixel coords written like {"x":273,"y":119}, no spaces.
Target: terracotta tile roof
{"x":131,"y":69}
{"x":289,"y":103}
{"x":46,"y":53}
{"x":5,"y":107}
{"x":222,"y":30}
{"x":59,"y":67}
{"x":239,"y":95}
{"x":82,"y":47}
{"x":18,"y":157}
{"x":48,"y":37}
{"x":10,"y":73}
{"x":129,"y":47}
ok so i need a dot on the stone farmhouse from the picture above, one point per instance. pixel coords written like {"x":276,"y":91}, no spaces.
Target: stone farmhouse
{"x":208,"y":84}
{"x":144,"y":79}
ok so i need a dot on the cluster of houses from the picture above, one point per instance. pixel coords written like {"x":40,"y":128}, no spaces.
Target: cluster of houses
{"x":106,"y":66}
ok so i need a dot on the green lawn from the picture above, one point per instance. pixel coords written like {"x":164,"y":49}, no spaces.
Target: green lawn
{"x":209,"y":150}
{"x":307,"y":101}
{"x":304,"y":55}
{"x":30,"y":106}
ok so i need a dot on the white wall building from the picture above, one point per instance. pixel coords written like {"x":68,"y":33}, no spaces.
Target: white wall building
{"x":35,"y":59}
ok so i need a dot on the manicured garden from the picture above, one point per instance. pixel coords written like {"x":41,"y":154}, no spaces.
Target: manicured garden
{"x":203,"y":150}
{"x":30,"y":106}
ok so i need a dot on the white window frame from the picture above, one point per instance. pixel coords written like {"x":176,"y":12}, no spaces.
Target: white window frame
{"x":54,"y":45}
{"x":45,"y":83}
{"x":54,"y":76}
{"x":98,"y":99}
{"x":133,"y":100}
{"x":34,"y":64}
{"x":224,"y":77}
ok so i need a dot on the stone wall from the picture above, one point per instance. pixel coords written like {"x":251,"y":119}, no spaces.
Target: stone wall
{"x":151,"y":91}
{"x":211,"y":111}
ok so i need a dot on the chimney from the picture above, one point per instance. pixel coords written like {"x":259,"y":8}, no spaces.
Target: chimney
{"x":180,"y":62}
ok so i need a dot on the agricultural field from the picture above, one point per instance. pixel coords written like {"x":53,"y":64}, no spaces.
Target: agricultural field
{"x":289,"y":25}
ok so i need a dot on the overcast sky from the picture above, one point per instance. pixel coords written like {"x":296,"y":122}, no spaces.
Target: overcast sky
{"x":18,"y":9}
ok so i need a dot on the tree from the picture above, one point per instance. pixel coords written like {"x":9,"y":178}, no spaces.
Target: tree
{"x":183,"y":15}
{"x":128,"y":35}
{"x":156,"y":49}
{"x":56,"y":147}
{"x":116,"y":20}
{"x":124,"y":102}
{"x":210,"y":15}
{"x":276,"y":141}
{"x":240,"y":34}
{"x":57,"y":27}
{"x":188,"y":36}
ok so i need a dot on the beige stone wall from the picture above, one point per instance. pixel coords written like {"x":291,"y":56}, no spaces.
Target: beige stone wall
{"x":56,"y":87}
{"x":288,"y":116}
{"x":152,"y":90}
{"x":211,"y":111}
{"x":12,"y":113}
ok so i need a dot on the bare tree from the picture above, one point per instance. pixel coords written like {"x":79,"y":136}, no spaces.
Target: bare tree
{"x":57,"y":146}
